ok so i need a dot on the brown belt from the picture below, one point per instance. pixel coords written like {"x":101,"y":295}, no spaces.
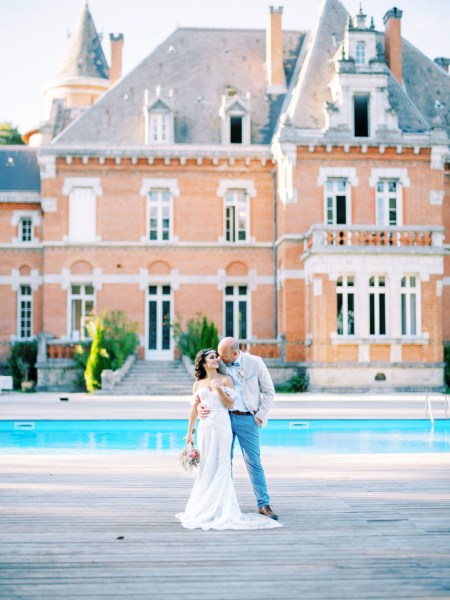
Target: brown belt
{"x":238,"y":412}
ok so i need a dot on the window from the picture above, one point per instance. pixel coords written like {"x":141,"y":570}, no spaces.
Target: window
{"x":236,"y":216}
{"x":346,"y":306}
{"x":26,"y":229}
{"x":336,"y":201}
{"x":377,"y":305}
{"x":360,"y":58}
{"x":388,"y":202}
{"x":361,"y":115}
{"x":82,"y":214}
{"x":159,"y":127}
{"x":236,"y":129}
{"x":25,"y":313}
{"x":159,"y":215}
{"x":236,"y":311}
{"x":409,"y":305}
{"x":159,"y":307}
{"x":82,"y":310}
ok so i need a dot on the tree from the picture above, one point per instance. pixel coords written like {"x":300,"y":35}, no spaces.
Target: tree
{"x":9,"y":135}
{"x":98,"y":359}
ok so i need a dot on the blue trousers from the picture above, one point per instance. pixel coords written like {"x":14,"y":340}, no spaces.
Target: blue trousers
{"x":246,"y":430}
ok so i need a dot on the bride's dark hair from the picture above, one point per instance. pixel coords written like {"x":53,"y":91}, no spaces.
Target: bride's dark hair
{"x":200,"y":372}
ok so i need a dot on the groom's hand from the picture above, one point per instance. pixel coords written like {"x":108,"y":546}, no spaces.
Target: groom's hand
{"x":203,"y":411}
{"x":258,"y":421}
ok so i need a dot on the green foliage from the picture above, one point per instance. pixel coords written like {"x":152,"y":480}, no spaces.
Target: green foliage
{"x":121,"y":338}
{"x":295,"y":384}
{"x":81,"y":356}
{"x":200,"y":333}
{"x":98,"y":359}
{"x":9,"y":135}
{"x":447,"y":365}
{"x":114,"y":339}
{"x":22,"y":361}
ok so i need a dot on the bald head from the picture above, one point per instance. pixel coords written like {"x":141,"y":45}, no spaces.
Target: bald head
{"x":228,"y":349}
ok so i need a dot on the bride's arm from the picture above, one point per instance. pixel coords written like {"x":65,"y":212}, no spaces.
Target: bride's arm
{"x":192,"y":421}
{"x":227,"y":400}
{"x":193,"y":416}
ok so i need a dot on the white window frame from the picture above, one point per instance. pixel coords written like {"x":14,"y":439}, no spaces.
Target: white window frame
{"x":23,"y":230}
{"x":334,"y":181}
{"x":159,"y":127}
{"x":77,"y":334}
{"x":18,"y":217}
{"x":360,"y":56}
{"x":24,"y":302}
{"x":160,"y":205}
{"x":235,"y":298}
{"x":383,"y":198}
{"x":71,"y":188}
{"x":229,"y":185}
{"x":378,"y":290}
{"x":407,"y":292}
{"x":236,"y":200}
{"x":344,"y":290}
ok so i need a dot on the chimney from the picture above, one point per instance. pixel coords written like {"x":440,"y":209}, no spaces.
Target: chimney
{"x":276,"y":81}
{"x":393,"y":42}
{"x":115,"y":70}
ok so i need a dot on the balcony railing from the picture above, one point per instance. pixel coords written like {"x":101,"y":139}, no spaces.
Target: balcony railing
{"x":320,"y":237}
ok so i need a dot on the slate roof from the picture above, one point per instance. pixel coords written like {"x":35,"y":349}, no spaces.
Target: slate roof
{"x":19,"y":169}
{"x":199,"y":65}
{"x":84,"y":54}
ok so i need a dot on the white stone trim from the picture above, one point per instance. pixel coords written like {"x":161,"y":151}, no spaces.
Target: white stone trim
{"x":47,"y":165}
{"x":93,"y":183}
{"x":437,"y":197}
{"x":286,"y":274}
{"x":49,"y":204}
{"x":236,"y":184}
{"x":437,"y":159}
{"x":15,"y":279}
{"x":21,"y":214}
{"x":389,"y":173}
{"x":149,"y":183}
{"x":348,"y":173}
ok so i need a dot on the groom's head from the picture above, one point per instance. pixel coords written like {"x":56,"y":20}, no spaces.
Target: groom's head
{"x":228,"y":349}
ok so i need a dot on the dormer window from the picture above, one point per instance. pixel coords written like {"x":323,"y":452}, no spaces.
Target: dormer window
{"x":236,"y":129}
{"x":360,"y":58}
{"x":235,"y":114}
{"x":361,"y":115}
{"x":159,"y":127}
{"x":158,"y":118}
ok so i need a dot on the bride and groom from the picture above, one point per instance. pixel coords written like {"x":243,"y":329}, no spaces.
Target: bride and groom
{"x":232,"y":396}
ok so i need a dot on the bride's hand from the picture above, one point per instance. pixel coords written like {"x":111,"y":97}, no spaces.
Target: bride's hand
{"x":189,"y":438}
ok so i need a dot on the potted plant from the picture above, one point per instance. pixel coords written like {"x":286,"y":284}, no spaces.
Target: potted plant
{"x":24,"y":368}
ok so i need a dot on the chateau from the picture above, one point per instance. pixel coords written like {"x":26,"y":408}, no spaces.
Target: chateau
{"x":293,"y":186}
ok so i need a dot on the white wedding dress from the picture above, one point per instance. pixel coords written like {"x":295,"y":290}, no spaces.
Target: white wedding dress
{"x":213,"y":503}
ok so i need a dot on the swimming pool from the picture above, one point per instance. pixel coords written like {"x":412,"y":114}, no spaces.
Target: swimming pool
{"x":281,"y":436}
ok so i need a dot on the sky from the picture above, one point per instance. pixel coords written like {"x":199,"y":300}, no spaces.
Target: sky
{"x":34,"y":34}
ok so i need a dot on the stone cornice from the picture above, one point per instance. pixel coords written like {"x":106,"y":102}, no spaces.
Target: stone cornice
{"x":182,"y":151}
{"x":20,"y":197}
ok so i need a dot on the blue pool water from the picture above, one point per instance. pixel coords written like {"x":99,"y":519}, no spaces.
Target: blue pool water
{"x":281,"y":436}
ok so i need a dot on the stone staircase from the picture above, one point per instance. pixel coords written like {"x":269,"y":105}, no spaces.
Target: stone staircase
{"x":155,"y":378}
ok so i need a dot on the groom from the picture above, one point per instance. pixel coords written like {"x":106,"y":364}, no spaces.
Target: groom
{"x":254,"y":397}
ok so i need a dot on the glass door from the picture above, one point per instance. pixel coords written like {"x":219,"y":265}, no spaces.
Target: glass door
{"x":159,"y":317}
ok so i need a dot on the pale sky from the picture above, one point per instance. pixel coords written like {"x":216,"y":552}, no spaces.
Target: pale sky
{"x":34,"y":34}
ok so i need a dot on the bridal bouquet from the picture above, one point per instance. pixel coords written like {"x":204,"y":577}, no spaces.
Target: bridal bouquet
{"x":189,"y":458}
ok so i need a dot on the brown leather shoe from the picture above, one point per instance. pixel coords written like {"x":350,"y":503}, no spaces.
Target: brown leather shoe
{"x":268,"y":512}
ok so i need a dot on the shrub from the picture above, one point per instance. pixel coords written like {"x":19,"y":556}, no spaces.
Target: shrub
{"x":295,"y":384}
{"x":98,"y":359}
{"x":22,"y":362}
{"x":200,"y":333}
{"x":81,"y":357}
{"x":120,"y":337}
{"x":114,"y":339}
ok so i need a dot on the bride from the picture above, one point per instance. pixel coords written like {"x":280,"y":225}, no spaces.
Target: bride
{"x":213,"y":503}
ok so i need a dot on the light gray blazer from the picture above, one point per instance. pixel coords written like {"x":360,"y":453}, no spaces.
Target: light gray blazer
{"x":257,"y":387}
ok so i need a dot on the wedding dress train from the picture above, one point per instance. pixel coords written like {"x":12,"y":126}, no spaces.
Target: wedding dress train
{"x":213,"y":503}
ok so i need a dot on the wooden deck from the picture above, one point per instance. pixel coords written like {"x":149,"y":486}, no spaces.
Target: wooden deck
{"x":355,"y":527}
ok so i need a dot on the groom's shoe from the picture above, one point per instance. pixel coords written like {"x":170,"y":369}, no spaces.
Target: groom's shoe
{"x":268,"y":512}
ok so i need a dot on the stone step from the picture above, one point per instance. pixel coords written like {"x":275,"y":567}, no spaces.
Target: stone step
{"x":155,"y":378}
